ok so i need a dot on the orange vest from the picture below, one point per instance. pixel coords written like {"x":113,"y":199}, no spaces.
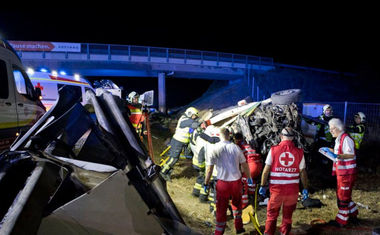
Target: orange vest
{"x":136,"y":117}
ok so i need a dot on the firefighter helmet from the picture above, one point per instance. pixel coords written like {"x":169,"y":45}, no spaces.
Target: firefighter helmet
{"x":191,"y":111}
{"x":132,"y":95}
{"x":361,"y":116}
{"x":327,"y":106}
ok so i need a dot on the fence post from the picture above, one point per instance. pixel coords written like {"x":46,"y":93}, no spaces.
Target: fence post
{"x":345,"y":112}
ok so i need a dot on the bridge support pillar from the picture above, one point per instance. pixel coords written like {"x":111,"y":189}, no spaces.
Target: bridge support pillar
{"x":161,"y":93}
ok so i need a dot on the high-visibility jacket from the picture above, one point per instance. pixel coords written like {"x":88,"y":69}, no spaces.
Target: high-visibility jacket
{"x":182,"y":131}
{"x":136,"y":116}
{"x":357,"y":133}
{"x":344,"y":166}
{"x":323,"y":131}
{"x":199,"y":161}
{"x":285,"y":169}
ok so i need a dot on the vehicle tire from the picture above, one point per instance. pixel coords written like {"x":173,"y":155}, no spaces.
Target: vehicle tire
{"x":286,"y":96}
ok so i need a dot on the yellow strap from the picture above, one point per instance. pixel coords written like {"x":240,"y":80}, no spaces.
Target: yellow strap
{"x":167,"y":149}
{"x":254,"y":220}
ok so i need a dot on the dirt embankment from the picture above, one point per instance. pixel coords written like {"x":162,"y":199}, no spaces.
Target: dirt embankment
{"x":305,"y":220}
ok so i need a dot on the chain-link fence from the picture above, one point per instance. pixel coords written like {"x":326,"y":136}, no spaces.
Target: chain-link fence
{"x":346,"y":111}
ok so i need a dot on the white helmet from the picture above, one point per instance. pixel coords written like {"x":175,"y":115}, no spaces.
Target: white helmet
{"x":132,"y":95}
{"x":327,"y":106}
{"x":191,"y":111}
{"x":361,"y":116}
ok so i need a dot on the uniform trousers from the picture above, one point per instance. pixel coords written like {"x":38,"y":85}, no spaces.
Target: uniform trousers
{"x":255,"y":168}
{"x":347,"y":208}
{"x":226,"y":190}
{"x":288,"y":204}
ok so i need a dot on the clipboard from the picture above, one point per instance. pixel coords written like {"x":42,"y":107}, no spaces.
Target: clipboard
{"x":326,"y":155}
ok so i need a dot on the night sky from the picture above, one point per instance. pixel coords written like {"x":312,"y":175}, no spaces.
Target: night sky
{"x":341,"y":40}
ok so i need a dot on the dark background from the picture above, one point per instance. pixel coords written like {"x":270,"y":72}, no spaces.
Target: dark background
{"x":343,"y":39}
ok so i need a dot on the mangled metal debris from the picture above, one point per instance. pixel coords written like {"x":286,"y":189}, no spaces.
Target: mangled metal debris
{"x":75,"y":172}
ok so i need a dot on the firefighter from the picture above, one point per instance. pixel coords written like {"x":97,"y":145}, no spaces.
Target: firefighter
{"x":181,"y":138}
{"x":136,"y":115}
{"x":344,"y":168}
{"x":227,"y":157}
{"x":255,"y":166}
{"x":209,"y":148}
{"x":284,"y":167}
{"x":204,"y":143}
{"x":357,"y":133}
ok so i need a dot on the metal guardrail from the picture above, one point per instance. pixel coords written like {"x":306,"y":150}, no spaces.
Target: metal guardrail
{"x":173,"y":53}
{"x":180,"y":55}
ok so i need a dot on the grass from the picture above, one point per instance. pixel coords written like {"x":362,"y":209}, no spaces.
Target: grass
{"x":305,"y":221}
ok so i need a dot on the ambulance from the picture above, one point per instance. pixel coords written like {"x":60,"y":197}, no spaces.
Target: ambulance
{"x":50,"y":82}
{"x":20,"y":106}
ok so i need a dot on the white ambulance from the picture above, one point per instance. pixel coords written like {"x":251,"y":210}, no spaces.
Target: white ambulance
{"x":20,"y":106}
{"x":50,"y":83}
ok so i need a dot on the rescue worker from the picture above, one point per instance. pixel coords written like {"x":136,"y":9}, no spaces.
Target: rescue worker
{"x":284,"y":167}
{"x":181,"y":138}
{"x":323,"y":135}
{"x":255,"y":166}
{"x":199,"y":164}
{"x":344,"y":168}
{"x":209,"y":148}
{"x":136,"y":115}
{"x":356,"y":131}
{"x":227,"y":157}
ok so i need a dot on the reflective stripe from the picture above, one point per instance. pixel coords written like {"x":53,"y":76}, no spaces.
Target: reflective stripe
{"x":343,"y":167}
{"x":353,"y":210}
{"x":220,"y":223}
{"x":282,"y":174}
{"x":343,"y":212}
{"x":284,"y":181}
{"x":219,"y":229}
{"x":345,"y":218}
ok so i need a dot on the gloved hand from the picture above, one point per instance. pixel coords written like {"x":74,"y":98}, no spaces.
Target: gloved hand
{"x":305,"y":194}
{"x":191,"y":130}
{"x":329,"y":153}
{"x":205,"y":187}
{"x":263,"y":191}
{"x":325,"y":149}
{"x":250,"y":182}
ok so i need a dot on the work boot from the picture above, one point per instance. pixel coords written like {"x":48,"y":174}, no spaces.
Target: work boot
{"x":240,"y":231}
{"x":354,"y":220}
{"x":335,"y":224}
{"x":166,"y":177}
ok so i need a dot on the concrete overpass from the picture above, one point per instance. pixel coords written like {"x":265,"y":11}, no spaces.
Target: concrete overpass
{"x":139,"y":61}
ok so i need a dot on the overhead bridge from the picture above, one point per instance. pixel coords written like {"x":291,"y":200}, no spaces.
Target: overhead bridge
{"x":139,"y":61}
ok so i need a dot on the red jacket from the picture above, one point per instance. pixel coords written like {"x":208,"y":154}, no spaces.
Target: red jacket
{"x":249,"y":152}
{"x":285,"y":170}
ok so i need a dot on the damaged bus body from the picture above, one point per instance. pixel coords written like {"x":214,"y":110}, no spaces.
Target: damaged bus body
{"x":77,"y":173}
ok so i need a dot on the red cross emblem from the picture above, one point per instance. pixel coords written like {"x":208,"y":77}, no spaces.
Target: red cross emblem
{"x":39,"y":86}
{"x":286,"y":159}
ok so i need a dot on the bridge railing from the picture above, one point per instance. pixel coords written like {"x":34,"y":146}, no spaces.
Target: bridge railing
{"x":173,"y":53}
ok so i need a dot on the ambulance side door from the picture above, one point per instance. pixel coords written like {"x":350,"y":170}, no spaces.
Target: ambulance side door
{"x":28,"y":111}
{"x":8,"y":114}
